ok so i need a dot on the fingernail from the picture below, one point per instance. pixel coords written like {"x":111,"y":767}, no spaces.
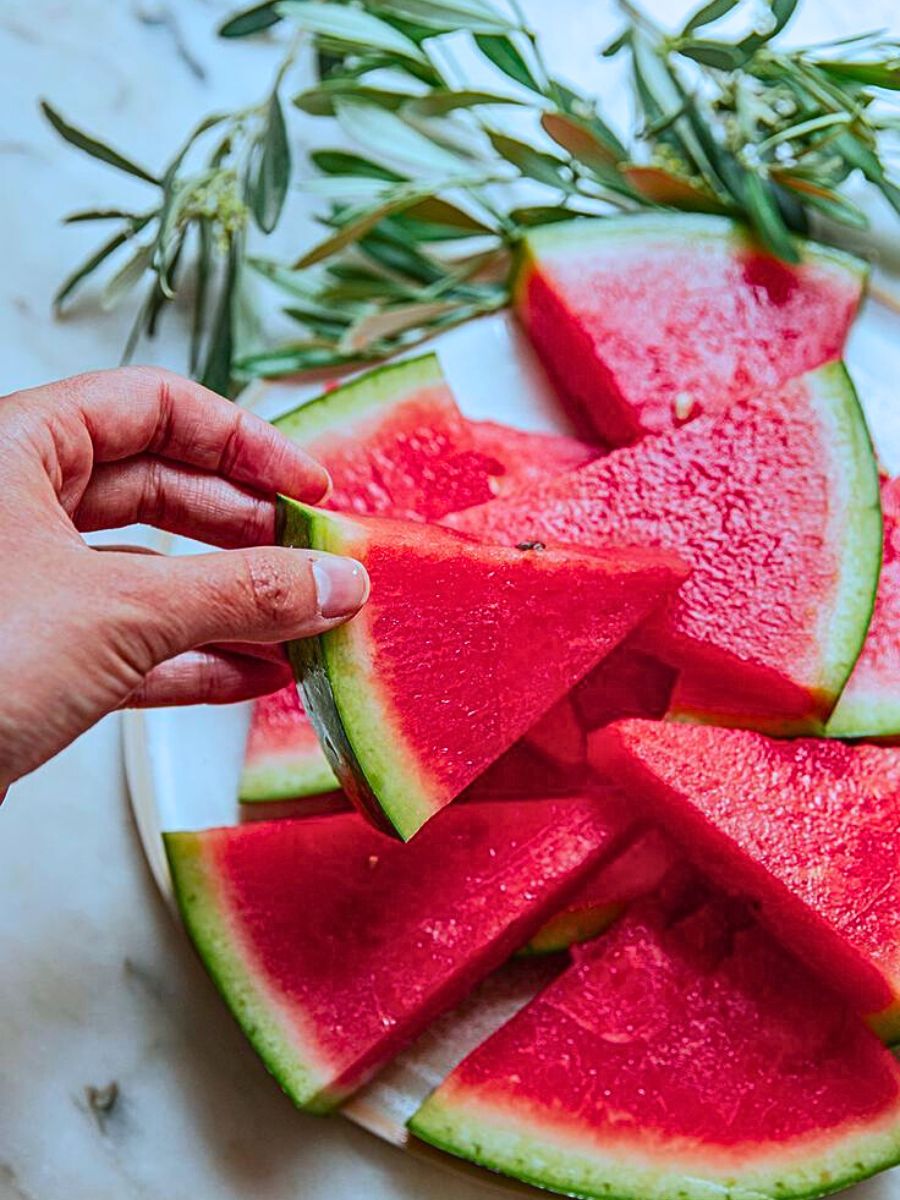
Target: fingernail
{"x":319,"y":486}
{"x":342,"y":585}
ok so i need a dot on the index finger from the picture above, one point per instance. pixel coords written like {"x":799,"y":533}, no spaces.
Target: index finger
{"x":134,"y":410}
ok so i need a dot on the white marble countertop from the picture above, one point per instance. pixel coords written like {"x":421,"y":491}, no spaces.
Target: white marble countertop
{"x":96,"y":985}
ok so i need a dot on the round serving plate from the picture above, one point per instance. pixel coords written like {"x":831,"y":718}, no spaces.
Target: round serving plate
{"x":183,"y":764}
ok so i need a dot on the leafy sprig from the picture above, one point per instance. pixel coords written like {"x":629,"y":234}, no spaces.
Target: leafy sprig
{"x":421,"y":216}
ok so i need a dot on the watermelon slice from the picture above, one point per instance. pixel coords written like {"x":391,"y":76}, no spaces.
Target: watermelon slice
{"x":810,"y":829}
{"x":774,"y":503}
{"x":334,"y":946}
{"x":283,"y":757}
{"x":459,"y":650}
{"x":635,"y":872}
{"x":394,"y":443}
{"x":870,"y":703}
{"x":689,"y":1059}
{"x":648,"y":321}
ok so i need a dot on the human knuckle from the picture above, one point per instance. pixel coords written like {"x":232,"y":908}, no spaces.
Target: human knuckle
{"x":272,"y":588}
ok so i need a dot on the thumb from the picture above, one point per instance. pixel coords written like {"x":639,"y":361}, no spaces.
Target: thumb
{"x":263,"y":594}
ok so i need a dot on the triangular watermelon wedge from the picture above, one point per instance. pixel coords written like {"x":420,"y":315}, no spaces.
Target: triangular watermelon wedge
{"x":395,"y":444}
{"x":685,"y":1057}
{"x":459,"y":650}
{"x":869,"y":706}
{"x":334,"y":946}
{"x":774,"y":503}
{"x":810,"y":829}
{"x":651,"y":320}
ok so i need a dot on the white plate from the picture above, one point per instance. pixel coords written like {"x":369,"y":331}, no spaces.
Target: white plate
{"x":183,"y":764}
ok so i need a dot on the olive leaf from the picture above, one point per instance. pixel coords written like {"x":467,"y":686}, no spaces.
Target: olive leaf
{"x":475,"y":16}
{"x":354,"y":28}
{"x":274,"y":171}
{"x":90,"y":145}
{"x":536,"y":164}
{"x":708,"y":13}
{"x":502,"y":52}
{"x":250,"y":21}
{"x":383,"y":133}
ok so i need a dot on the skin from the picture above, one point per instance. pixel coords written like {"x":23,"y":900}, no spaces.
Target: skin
{"x":83,"y":631}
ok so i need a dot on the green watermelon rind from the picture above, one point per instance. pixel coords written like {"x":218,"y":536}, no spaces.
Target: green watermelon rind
{"x":846,"y":625}
{"x":873,"y":717}
{"x":526,"y":1150}
{"x":332,"y":679}
{"x":582,"y":232}
{"x":275,"y":1035}
{"x":571,"y":928}
{"x":274,"y":780}
{"x":370,"y":393}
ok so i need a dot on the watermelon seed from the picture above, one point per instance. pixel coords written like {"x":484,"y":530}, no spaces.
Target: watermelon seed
{"x":531,"y":546}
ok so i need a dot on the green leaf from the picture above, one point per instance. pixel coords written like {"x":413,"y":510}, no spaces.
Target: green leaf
{"x":341,"y":162}
{"x":872,"y":74}
{"x":201,"y":291}
{"x":436,"y":219}
{"x":319,"y":101}
{"x":274,"y":174}
{"x":722,"y":56}
{"x":475,"y":16}
{"x":347,"y":189}
{"x":73,"y":282}
{"x":127,"y":277}
{"x":582,"y":142}
{"x":545,"y":168}
{"x":388,"y":322}
{"x":289,"y":360}
{"x":350,"y":27}
{"x":709,"y":13}
{"x":766,"y":218}
{"x":386,"y":135}
{"x":250,"y":21}
{"x":100,"y":214}
{"x":544,"y":214}
{"x":617,"y":44}
{"x":826,"y":200}
{"x":438,"y":102}
{"x":503,"y":53}
{"x":217,"y":371}
{"x":90,"y":145}
{"x":356,"y":224}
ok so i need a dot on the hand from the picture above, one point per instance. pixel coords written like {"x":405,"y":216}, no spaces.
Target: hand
{"x":83,"y":632}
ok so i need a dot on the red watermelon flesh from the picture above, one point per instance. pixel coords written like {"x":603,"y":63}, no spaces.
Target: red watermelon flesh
{"x":810,"y":829}
{"x":869,"y":706}
{"x":628,"y":683}
{"x":517,"y":459}
{"x":774,"y":504}
{"x":283,"y":757}
{"x":685,"y":1058}
{"x":334,"y":946}
{"x":635,"y":872}
{"x":394,"y":443}
{"x":646,"y":322}
{"x":460,"y":649}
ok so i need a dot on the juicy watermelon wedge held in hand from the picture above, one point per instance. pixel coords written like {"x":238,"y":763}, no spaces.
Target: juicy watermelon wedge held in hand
{"x":334,"y":945}
{"x":459,"y":650}
{"x":646,"y":322}
{"x":774,"y":504}
{"x":682,"y":1055}
{"x":810,"y":829}
{"x":395,"y":444}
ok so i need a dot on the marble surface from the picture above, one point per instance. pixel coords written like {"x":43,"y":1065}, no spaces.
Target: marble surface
{"x":100,"y":995}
